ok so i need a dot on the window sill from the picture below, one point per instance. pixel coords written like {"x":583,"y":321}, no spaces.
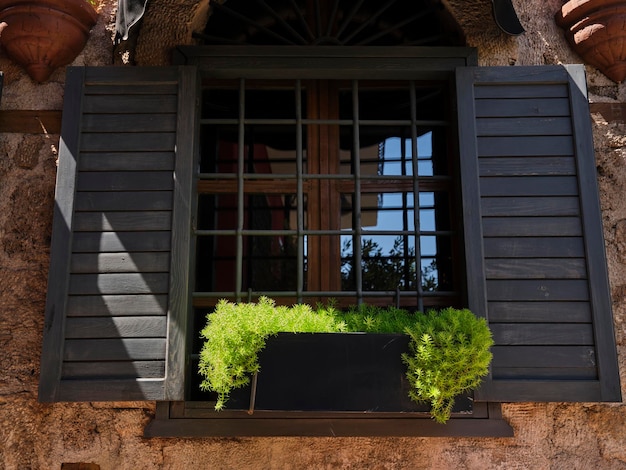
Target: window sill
{"x":171,"y":422}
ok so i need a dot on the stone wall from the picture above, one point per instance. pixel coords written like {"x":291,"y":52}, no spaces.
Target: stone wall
{"x":109,"y":436}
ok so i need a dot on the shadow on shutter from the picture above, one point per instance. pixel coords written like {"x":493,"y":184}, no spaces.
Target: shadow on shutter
{"x":535,"y":250}
{"x":106,"y":329}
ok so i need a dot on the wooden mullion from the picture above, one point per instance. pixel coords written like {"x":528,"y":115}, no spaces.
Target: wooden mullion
{"x":331,"y":259}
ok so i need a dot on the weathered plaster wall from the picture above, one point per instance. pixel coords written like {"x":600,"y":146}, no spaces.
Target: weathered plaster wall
{"x":43,"y":436}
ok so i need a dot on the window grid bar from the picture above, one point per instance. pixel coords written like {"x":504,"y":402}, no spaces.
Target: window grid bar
{"x":405,"y":217}
{"x":337,"y":122}
{"x":299,"y":195}
{"x":356,"y":212}
{"x":201,"y":233}
{"x":319,"y":176}
{"x":240,"y":189}
{"x":320,"y":293}
{"x":416,"y":189}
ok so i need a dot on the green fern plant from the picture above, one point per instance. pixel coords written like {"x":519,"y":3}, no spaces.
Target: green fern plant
{"x":449,"y":350}
{"x":449,"y":355}
{"x":236,"y":333}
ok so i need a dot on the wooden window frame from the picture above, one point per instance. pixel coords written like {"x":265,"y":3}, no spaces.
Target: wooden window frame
{"x":194,"y":420}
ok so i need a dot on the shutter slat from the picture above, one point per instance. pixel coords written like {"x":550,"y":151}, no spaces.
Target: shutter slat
{"x":549,"y":374}
{"x":129,"y":103}
{"x":534,"y":247}
{"x":125,"y":181}
{"x":505,"y":91}
{"x":538,"y":146}
{"x":529,"y":206}
{"x":111,"y":389}
{"x":102,"y":327}
{"x":537,"y":289}
{"x":100,"y":242}
{"x":544,"y":356}
{"x":519,"y":108}
{"x":92,"y":263}
{"x":135,"y":88}
{"x":532,"y":226}
{"x":542,"y":334}
{"x":546,"y":311}
{"x":120,"y":161}
{"x":529,"y":186}
{"x":119,"y":283}
{"x":122,"y":221}
{"x":528,"y":166}
{"x":113,"y":370}
{"x":523,"y":126}
{"x":535,"y":268}
{"x":116,"y":305}
{"x":129,"y":142}
{"x":109,"y":123}
{"x":124,"y":201}
{"x":125,"y":349}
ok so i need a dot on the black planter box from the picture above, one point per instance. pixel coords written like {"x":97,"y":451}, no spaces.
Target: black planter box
{"x":349,"y":372}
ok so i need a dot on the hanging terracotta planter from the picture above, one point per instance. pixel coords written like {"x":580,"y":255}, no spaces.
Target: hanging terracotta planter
{"x":42,"y":35}
{"x":595,"y":29}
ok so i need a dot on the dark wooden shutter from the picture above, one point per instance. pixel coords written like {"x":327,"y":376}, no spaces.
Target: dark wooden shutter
{"x":535,"y":249}
{"x":116,"y":309}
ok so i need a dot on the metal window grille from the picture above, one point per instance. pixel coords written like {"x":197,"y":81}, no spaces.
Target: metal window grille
{"x":242,"y":117}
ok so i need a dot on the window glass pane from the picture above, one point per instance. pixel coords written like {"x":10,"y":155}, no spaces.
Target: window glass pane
{"x":220,"y":100}
{"x":387,"y":211}
{"x":387,"y":263}
{"x":378,"y":101}
{"x":218,"y":149}
{"x":436,"y":263}
{"x":272,"y":100}
{"x":270,"y":149}
{"x":215,"y":263}
{"x":270,"y":263}
{"x":434,"y":211}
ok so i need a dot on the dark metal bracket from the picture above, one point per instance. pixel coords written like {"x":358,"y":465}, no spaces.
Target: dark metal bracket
{"x":506,"y":18}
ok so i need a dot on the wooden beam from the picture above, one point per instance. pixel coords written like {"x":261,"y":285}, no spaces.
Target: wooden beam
{"x":30,"y":121}
{"x":612,"y":112}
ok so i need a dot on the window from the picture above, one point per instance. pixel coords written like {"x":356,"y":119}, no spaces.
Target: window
{"x":117,"y":319}
{"x":325,"y":166}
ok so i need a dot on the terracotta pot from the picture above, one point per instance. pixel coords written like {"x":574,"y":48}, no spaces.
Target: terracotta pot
{"x":595,"y":29}
{"x":42,"y":35}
